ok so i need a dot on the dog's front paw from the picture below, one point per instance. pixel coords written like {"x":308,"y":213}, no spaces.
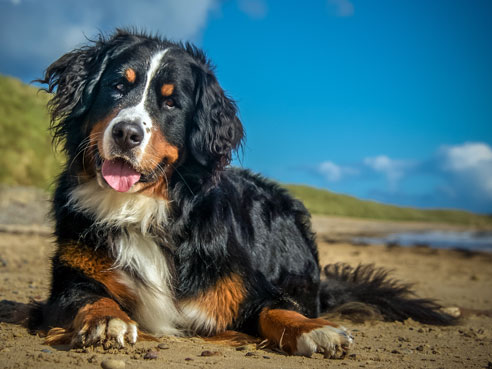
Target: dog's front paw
{"x":103,"y":322}
{"x":333,"y":342}
{"x":105,"y":330}
{"x":296,"y":334}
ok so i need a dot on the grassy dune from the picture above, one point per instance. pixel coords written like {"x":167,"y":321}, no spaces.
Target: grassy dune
{"x":26,"y":158}
{"x":26,"y":155}
{"x":328,"y":203}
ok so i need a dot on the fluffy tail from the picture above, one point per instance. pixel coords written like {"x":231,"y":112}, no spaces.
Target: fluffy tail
{"x":367,"y":290}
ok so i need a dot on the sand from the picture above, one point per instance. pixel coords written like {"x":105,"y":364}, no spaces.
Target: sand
{"x":454,"y":278}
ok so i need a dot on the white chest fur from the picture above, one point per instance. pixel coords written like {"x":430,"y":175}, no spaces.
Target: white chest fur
{"x":140,"y":262}
{"x":144,"y":270}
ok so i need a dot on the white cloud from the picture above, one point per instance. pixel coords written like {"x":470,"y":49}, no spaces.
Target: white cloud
{"x":470,"y":165}
{"x":393,"y":169}
{"x":333,"y":172}
{"x":455,"y":176}
{"x":341,"y":8}
{"x":38,"y":32}
{"x":466,"y":156}
{"x":254,"y":8}
{"x":330,"y":171}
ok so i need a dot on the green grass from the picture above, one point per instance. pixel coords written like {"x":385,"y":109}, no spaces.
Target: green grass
{"x":25,"y":143}
{"x":27,"y":158}
{"x":328,"y":203}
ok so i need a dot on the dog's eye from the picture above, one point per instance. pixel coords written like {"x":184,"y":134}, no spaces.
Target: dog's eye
{"x":169,"y":102}
{"x":120,"y":87}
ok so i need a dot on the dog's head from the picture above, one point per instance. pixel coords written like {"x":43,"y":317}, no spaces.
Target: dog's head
{"x":131,"y":109}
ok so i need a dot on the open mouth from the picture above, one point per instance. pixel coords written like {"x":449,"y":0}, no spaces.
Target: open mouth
{"x":119,"y":173}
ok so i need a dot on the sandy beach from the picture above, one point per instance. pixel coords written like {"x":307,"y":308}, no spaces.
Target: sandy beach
{"x":455,"y":278}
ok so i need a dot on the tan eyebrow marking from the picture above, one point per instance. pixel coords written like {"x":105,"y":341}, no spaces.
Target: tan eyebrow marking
{"x":167,"y":89}
{"x":130,"y":75}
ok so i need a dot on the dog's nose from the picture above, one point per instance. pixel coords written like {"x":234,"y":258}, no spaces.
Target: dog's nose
{"x":127,"y":135}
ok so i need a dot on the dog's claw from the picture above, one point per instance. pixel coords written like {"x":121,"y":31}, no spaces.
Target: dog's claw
{"x":109,"y":329}
{"x":333,"y":342}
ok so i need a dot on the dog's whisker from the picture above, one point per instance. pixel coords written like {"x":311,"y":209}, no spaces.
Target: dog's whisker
{"x":83,"y":147}
{"x":182,"y":178}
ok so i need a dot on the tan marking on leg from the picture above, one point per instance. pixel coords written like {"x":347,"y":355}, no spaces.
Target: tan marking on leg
{"x":98,"y":266}
{"x":89,"y":320}
{"x":221,"y":302}
{"x":102,"y":308}
{"x":284,"y":327}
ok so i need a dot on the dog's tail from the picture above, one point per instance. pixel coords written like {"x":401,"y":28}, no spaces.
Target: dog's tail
{"x":368,"y":292}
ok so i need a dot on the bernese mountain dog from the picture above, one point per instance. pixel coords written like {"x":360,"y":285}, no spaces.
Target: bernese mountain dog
{"x":157,"y":235}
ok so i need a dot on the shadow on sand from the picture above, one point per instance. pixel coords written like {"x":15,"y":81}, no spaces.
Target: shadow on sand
{"x":14,"y":312}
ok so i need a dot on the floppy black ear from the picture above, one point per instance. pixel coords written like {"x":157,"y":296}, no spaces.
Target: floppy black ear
{"x":71,"y":79}
{"x":217,"y":130}
{"x":74,"y":78}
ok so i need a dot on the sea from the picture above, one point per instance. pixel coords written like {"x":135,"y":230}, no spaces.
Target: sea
{"x":463,"y":240}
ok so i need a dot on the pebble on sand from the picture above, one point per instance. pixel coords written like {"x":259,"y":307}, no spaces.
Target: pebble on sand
{"x":151,"y":355}
{"x":209,"y":353}
{"x":113,"y":364}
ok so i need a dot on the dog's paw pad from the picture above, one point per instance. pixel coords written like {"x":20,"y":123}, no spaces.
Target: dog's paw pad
{"x":333,"y":342}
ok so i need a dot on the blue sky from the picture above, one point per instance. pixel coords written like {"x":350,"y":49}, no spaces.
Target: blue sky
{"x":383,"y":100}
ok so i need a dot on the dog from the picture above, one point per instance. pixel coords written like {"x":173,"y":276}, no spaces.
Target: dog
{"x":157,"y":235}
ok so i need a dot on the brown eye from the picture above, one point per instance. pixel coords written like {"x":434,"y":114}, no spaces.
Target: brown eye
{"x":169,"y":102}
{"x":120,"y":87}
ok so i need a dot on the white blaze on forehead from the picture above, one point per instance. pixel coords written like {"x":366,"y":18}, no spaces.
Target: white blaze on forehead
{"x":153,"y":68}
{"x":136,"y":113}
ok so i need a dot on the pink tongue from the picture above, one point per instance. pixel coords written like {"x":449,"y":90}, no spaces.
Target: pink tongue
{"x":119,"y":174}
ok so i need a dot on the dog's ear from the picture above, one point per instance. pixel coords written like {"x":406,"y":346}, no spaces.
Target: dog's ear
{"x":217,"y":130}
{"x":72,"y":80}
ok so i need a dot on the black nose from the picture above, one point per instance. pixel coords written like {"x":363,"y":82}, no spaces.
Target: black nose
{"x":127,"y":135}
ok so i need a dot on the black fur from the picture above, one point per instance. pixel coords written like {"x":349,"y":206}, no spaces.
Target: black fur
{"x":372,"y":286}
{"x":222,"y":220}
{"x":217,"y":130}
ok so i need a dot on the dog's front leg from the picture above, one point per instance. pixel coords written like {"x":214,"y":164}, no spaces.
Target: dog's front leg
{"x":296,"y":334}
{"x":87,"y":301}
